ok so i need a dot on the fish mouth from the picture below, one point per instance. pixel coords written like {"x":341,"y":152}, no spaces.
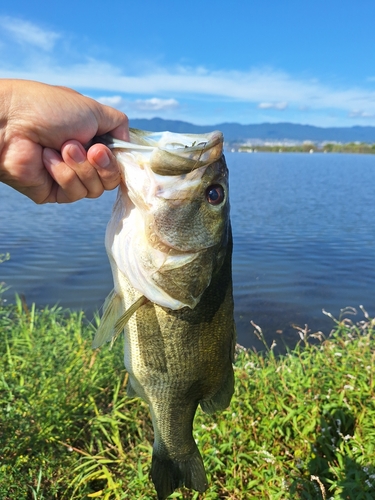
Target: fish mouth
{"x":170,"y":153}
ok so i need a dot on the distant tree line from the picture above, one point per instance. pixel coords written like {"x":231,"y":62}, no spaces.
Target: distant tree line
{"x":307,"y":147}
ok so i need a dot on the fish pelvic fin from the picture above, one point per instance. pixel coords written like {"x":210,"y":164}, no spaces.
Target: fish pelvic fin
{"x":113,"y":322}
{"x":168,"y":474}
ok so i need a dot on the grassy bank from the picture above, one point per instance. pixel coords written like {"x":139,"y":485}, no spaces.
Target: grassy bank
{"x":300,"y":426}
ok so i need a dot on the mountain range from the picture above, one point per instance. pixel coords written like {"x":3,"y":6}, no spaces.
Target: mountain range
{"x":235,"y":132}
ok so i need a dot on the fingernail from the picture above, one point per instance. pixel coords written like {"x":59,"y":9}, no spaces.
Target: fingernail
{"x":102,"y":159}
{"x":76,"y":154}
{"x":51,"y":156}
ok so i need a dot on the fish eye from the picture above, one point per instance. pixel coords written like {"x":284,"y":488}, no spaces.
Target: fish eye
{"x":215,"y":194}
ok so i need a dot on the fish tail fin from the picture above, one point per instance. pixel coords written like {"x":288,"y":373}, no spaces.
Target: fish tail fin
{"x":168,"y":474}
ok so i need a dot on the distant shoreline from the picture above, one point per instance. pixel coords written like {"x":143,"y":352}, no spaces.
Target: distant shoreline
{"x":288,"y":134}
{"x":306,"y":147}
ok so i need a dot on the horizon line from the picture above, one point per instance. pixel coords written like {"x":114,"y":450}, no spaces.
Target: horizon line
{"x":249,"y":124}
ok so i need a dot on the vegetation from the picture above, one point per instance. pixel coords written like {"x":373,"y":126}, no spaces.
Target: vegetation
{"x":300,"y":426}
{"x":351,"y":147}
{"x":309,"y":147}
{"x":3,"y":258}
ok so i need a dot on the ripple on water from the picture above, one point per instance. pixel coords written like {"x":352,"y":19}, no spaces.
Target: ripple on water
{"x":304,"y":240}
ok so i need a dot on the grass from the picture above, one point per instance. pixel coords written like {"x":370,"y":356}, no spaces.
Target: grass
{"x":300,"y":425}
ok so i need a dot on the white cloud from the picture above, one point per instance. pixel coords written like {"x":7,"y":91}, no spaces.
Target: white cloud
{"x":115,"y":101}
{"x":255,"y":86}
{"x":194,"y":89}
{"x":361,"y":114}
{"x":147,"y":105}
{"x":273,"y":105}
{"x":24,"y":32}
{"x":155,"y":104}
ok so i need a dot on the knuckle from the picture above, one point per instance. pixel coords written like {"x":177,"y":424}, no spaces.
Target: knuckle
{"x":95,"y":193}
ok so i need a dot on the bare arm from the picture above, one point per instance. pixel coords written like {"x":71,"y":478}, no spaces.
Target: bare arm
{"x":43,"y":129}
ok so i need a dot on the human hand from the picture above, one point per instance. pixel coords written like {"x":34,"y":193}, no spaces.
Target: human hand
{"x":43,"y":130}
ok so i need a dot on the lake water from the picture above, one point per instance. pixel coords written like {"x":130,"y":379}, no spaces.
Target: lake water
{"x":304,"y":240}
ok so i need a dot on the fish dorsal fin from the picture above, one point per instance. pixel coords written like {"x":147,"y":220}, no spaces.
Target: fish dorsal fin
{"x":113,"y":322}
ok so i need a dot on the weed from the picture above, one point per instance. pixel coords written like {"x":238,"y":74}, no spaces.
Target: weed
{"x":300,"y":425}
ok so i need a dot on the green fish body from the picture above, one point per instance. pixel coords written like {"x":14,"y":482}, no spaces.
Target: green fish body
{"x":169,"y":243}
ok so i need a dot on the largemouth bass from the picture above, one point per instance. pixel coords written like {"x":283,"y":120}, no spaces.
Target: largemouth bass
{"x":169,"y":244}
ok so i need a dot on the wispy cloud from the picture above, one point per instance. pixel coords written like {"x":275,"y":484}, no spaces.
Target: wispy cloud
{"x":116,"y":101}
{"x":273,"y":89}
{"x":159,"y":89}
{"x":273,"y":105}
{"x":361,"y":114}
{"x":156,"y":104}
{"x":24,"y":32}
{"x":147,"y":105}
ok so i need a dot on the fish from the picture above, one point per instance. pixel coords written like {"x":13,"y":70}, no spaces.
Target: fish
{"x":169,"y":243}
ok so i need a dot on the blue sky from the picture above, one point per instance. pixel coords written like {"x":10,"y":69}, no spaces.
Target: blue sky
{"x":206,"y":62}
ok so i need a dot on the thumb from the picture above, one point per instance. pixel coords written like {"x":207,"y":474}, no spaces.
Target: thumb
{"x":113,"y":122}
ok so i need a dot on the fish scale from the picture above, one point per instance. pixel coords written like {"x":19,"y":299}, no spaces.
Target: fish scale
{"x":178,"y":356}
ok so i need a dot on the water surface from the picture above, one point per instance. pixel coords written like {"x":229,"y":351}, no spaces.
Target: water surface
{"x":304,"y":240}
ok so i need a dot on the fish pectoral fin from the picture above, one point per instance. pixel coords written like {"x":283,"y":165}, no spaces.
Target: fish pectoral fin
{"x":221,"y":399}
{"x":121,"y":322}
{"x":112,"y":309}
{"x":113,"y":322}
